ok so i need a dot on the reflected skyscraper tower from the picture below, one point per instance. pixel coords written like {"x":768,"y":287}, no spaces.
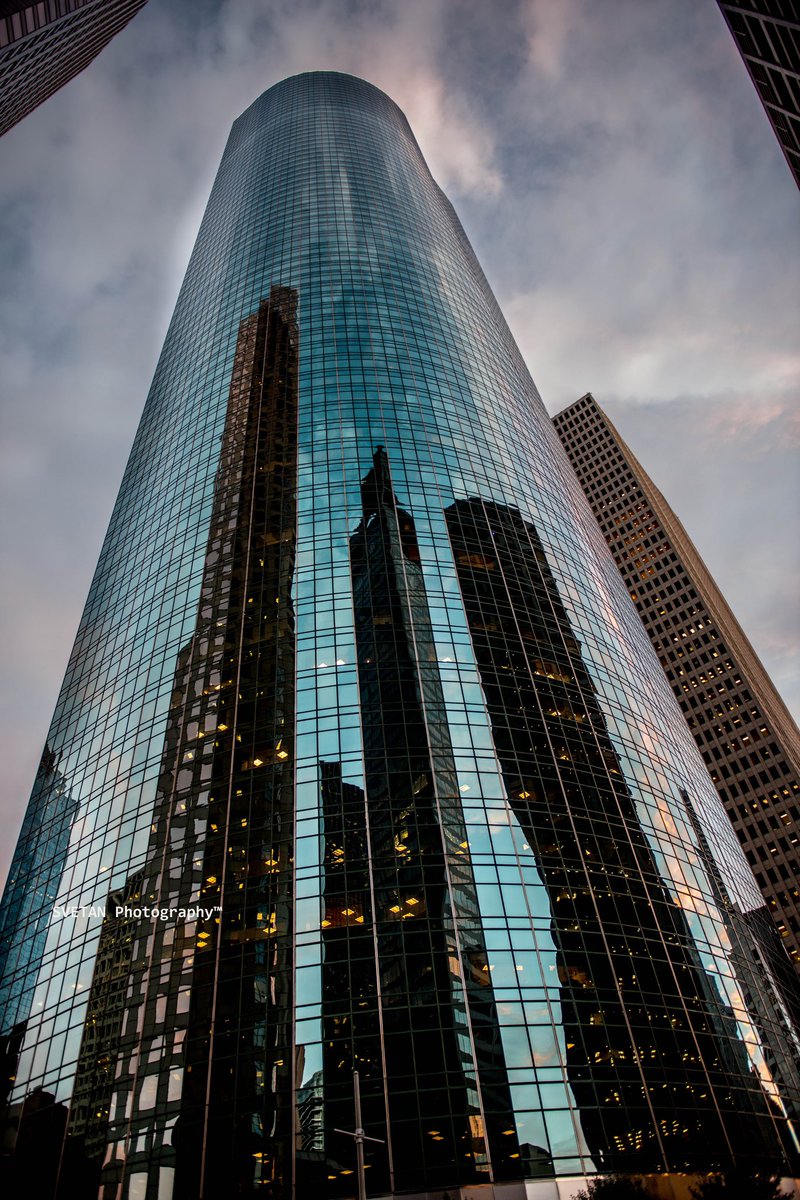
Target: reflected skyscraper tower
{"x":358,"y":677}
{"x":32,"y":886}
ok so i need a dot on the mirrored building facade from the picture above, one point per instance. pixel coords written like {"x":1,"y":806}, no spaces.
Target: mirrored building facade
{"x":360,"y":706}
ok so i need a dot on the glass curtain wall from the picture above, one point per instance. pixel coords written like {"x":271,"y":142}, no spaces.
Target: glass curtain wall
{"x":358,"y":679}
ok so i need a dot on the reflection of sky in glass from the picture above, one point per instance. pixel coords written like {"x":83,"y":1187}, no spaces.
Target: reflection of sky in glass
{"x":401,"y":346}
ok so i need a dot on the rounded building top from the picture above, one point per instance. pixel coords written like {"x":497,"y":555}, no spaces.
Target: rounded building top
{"x":315,"y":89}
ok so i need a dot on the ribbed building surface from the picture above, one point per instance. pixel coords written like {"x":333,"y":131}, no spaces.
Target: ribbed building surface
{"x":743,"y":729}
{"x":767,"y":34}
{"x":45,"y":44}
{"x":358,"y":676}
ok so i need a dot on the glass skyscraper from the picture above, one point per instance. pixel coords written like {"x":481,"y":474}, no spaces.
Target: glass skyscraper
{"x":360,"y":706}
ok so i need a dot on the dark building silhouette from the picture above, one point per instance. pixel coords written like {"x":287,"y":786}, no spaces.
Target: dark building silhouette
{"x":33,"y":1132}
{"x":44,"y":44}
{"x":87,"y":1126}
{"x":433,"y":978}
{"x":742,"y":728}
{"x":223,"y":1008}
{"x":767,"y":35}
{"x":626,"y":960}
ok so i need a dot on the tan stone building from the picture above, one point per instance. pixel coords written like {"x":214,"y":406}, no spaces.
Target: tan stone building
{"x":743,"y":729}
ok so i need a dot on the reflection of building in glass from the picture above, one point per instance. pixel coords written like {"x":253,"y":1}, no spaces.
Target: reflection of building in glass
{"x":767,"y":34}
{"x":768,"y":980}
{"x":743,"y":729}
{"x":97,"y":1060}
{"x":32,"y":887}
{"x":298,"y":698}
{"x":437,"y":1029}
{"x":217,"y":1013}
{"x":43,"y":45}
{"x":401,"y":918}
{"x":350,"y":1004}
{"x":33,"y":1137}
{"x":647,"y":1036}
{"x":10,"y":1046}
{"x":35,"y":1128}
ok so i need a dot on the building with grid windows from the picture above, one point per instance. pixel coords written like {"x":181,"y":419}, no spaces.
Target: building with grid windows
{"x":743,"y":729}
{"x":373,"y":766}
{"x":767,"y":34}
{"x":45,"y":43}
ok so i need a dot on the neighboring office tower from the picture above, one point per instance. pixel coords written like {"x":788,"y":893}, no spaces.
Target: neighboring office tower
{"x":358,"y":677}
{"x":767,"y":33}
{"x":44,"y":44}
{"x":742,"y":727}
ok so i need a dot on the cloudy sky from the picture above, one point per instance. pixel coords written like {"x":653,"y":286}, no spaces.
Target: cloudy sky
{"x":613,"y":168}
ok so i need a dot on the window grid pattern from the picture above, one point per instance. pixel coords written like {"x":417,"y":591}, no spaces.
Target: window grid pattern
{"x":44,"y":45}
{"x":747,"y":738}
{"x":401,"y":901}
{"x":767,"y":34}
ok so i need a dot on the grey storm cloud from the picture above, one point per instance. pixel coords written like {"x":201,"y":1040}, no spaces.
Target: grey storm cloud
{"x":613,"y":169}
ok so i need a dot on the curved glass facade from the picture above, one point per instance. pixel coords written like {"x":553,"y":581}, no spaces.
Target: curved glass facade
{"x":360,"y":705}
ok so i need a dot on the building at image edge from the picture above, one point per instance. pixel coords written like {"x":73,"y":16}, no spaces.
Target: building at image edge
{"x":46,"y":43}
{"x":767,"y":35}
{"x":741,"y":725}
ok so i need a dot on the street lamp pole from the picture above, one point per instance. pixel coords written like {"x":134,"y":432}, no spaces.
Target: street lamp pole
{"x":359,"y":1138}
